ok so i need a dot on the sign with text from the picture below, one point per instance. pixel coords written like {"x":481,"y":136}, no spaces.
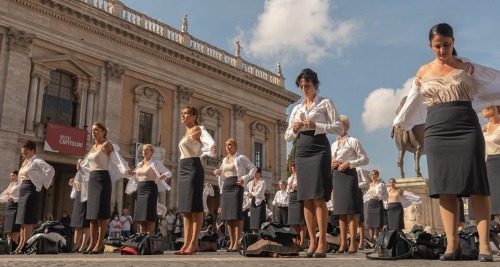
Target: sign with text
{"x":64,"y":139}
{"x":159,"y":153}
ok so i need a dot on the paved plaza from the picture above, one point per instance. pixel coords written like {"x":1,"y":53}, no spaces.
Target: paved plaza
{"x":218,"y":259}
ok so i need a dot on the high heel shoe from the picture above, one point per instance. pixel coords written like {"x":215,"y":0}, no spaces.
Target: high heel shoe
{"x":100,"y":251}
{"x":455,"y":256}
{"x":309,"y":255}
{"x":86,"y":251}
{"x":485,"y":258}
{"x":319,"y":255}
{"x":188,"y":252}
{"x":179,"y":252}
{"x":352,"y":251}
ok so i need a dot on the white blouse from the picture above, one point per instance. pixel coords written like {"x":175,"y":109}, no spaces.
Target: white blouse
{"x":242,"y":164}
{"x":257,"y":191}
{"x":282,"y":197}
{"x":12,"y":191}
{"x":322,"y":112}
{"x":350,"y":150}
{"x":38,"y":171}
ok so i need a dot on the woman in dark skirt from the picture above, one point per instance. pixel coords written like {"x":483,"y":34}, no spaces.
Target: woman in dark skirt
{"x":491,"y":133}
{"x":375,"y":196}
{"x":256,"y":190}
{"x":295,"y":207}
{"x":453,"y":141}
{"x":11,"y":196}
{"x":149,"y":174}
{"x":79,"y":220}
{"x":347,"y":154}
{"x":34,"y":174}
{"x":190,"y":181}
{"x":309,"y":123}
{"x":233,"y":172}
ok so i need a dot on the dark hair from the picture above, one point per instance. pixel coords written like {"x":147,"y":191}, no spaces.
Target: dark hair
{"x":259,"y":170}
{"x":443,"y":29}
{"x":309,"y":75}
{"x":15,"y":172}
{"x":290,"y":164}
{"x":102,"y":127}
{"x":392,"y":179}
{"x":193,"y":111}
{"x":28,"y":144}
{"x":376,"y":172}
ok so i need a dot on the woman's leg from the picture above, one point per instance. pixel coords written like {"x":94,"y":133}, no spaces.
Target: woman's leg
{"x":85,"y":238}
{"x":238,"y":227}
{"x":310,"y":218}
{"x":343,"y":224}
{"x":77,"y":238}
{"x":22,"y":238}
{"x":361,"y":230}
{"x":142,"y":227}
{"x":198,"y":224}
{"x":302,"y":234}
{"x":93,"y":234}
{"x":322,"y":219}
{"x":353,"y":226}
{"x":482,"y":210}
{"x":14,"y":236}
{"x":372,"y":234}
{"x":188,"y":229}
{"x":150,"y":227}
{"x":448,"y":207}
{"x":231,"y":232}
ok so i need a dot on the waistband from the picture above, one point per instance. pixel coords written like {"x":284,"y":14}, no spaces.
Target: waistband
{"x":451,"y":104}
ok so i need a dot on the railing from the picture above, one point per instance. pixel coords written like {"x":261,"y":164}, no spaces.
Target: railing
{"x":152,"y":25}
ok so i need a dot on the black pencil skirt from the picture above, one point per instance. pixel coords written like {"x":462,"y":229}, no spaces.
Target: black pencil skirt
{"x":346,"y":192}
{"x":257,"y":214}
{"x":190,"y":185}
{"x":27,"y":205}
{"x":232,"y":199}
{"x":146,"y":202}
{"x":295,"y":210}
{"x":454,"y":145}
{"x":493,"y":168}
{"x":79,"y":215}
{"x":395,"y":216}
{"x":375,"y":214}
{"x":99,"y":200}
{"x":10,"y":225}
{"x":312,"y":160}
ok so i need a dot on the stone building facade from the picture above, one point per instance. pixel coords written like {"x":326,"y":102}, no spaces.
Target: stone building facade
{"x":76,"y":62}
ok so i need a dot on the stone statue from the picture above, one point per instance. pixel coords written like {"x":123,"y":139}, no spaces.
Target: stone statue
{"x":184,"y":27}
{"x":280,"y":73}
{"x":238,"y":47}
{"x":412,"y":141}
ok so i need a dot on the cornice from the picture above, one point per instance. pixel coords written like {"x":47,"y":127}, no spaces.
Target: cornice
{"x":106,"y":25}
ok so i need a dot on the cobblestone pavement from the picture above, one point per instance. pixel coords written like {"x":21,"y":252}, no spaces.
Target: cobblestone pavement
{"x":218,"y":259}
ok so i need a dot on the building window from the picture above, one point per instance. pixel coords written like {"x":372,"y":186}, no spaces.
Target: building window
{"x":59,"y":100}
{"x":257,"y":154}
{"x":145,"y":128}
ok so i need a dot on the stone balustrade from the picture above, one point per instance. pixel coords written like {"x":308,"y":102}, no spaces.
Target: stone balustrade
{"x":119,"y":10}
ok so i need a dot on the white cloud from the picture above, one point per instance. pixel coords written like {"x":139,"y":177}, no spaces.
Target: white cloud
{"x":380,"y":106}
{"x":297,"y":30}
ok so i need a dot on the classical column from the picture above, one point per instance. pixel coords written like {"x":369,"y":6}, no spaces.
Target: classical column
{"x":31,"y":108}
{"x":238,"y":129}
{"x":113,"y":97}
{"x":89,"y":117}
{"x":39,"y":121}
{"x":159,"y":111}
{"x":281,"y":157}
{"x":17,"y":81}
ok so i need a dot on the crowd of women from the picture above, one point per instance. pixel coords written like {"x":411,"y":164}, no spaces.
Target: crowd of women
{"x":451,"y":88}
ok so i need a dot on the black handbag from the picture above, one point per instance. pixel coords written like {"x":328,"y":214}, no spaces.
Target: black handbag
{"x":45,"y":246}
{"x":391,"y":245}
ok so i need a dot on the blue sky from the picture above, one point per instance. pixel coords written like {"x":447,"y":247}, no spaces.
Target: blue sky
{"x":364,"y":52}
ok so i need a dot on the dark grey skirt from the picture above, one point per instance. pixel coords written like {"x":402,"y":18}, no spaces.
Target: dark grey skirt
{"x":10,"y":225}
{"x":146,"y":202}
{"x":346,"y":192}
{"x":493,"y":168}
{"x":461,"y":210}
{"x":454,"y":145}
{"x":395,"y":216}
{"x":27,"y":205}
{"x":312,"y":160}
{"x":190,"y":185}
{"x":257,"y":214}
{"x":375,"y":213}
{"x":232,"y":199}
{"x":295,"y":210}
{"x":79,"y":215}
{"x":361,"y":208}
{"x":99,"y":201}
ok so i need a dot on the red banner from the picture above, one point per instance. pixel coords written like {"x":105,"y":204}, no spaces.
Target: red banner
{"x":65,"y":139}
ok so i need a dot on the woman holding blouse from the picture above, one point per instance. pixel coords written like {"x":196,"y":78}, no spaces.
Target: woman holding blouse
{"x":375,"y":196}
{"x":11,"y":196}
{"x":34,"y":174}
{"x":347,"y":154}
{"x":232,"y":174}
{"x":308,"y":124}
{"x":256,"y":191}
{"x":295,"y":207}
{"x":491,"y":132}
{"x":397,"y":200}
{"x":149,"y":178}
{"x":79,"y":220}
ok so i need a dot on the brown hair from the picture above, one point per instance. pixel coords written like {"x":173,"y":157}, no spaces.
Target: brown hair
{"x":193,"y":111}
{"x":102,"y":127}
{"x":28,"y":144}
{"x":290,"y":165}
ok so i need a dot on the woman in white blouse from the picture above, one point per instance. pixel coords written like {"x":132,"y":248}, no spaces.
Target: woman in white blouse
{"x":397,"y":200}
{"x":308,"y":124}
{"x":295,"y":207}
{"x":34,"y":174}
{"x":280,"y":201}
{"x":347,"y":154}
{"x":11,"y":196}
{"x":148,"y":176}
{"x":235,"y":170}
{"x":375,"y":196}
{"x":256,"y":191}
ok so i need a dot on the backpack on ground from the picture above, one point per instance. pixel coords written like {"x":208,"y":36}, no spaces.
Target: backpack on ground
{"x":391,"y":245}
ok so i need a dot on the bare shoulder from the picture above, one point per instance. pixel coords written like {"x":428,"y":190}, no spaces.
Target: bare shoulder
{"x":108,"y":147}
{"x":423,"y":70}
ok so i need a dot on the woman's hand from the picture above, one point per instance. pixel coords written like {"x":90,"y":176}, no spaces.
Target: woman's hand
{"x":297,"y":126}
{"x":130,"y":172}
{"x":217,"y":172}
{"x":309,"y":124}
{"x":344,"y":166}
{"x":335,"y":164}
{"x":160,"y":179}
{"x":240,"y":181}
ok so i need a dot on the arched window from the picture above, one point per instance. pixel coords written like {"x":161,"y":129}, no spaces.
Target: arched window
{"x":59,"y":101}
